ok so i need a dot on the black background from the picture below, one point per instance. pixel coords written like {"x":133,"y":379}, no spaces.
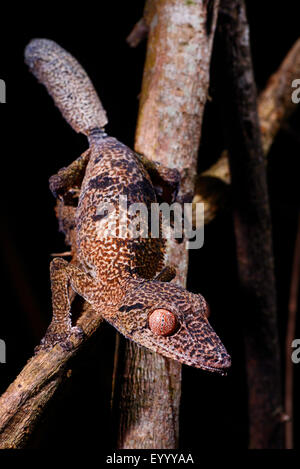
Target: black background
{"x":36,"y":142}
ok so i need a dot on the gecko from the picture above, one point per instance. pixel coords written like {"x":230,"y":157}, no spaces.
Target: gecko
{"x":123,"y":278}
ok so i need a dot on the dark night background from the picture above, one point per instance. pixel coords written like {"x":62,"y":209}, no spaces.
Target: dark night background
{"x":36,"y":142}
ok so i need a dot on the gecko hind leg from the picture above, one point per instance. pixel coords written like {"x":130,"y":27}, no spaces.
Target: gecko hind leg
{"x":62,"y":276}
{"x":66,"y":183}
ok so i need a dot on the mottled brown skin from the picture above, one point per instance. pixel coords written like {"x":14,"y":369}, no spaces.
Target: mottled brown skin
{"x":122,"y":278}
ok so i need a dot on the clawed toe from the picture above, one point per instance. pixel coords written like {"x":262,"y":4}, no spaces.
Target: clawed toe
{"x":63,"y":339}
{"x":78,"y":332}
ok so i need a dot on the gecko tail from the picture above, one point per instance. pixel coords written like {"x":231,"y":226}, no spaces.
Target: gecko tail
{"x":68,"y":84}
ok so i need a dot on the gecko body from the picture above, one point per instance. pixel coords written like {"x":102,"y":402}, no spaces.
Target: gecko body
{"x":123,"y":278}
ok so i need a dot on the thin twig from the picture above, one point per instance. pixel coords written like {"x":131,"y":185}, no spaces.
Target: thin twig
{"x":138,"y":33}
{"x":141,"y":29}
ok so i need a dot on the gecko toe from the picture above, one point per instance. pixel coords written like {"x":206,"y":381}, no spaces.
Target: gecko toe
{"x":64,"y":339}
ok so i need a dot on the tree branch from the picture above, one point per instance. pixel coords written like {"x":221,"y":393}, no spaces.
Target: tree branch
{"x":252,"y":223}
{"x":173,"y":97}
{"x":23,"y":403}
{"x":274,"y":108}
{"x":141,"y":29}
{"x":290,"y":335}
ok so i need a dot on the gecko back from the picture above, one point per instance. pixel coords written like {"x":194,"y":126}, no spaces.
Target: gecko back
{"x":114,"y":241}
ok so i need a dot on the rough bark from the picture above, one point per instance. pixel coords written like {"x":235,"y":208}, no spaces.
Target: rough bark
{"x":274,"y":108}
{"x":252,"y":224}
{"x":174,"y":93}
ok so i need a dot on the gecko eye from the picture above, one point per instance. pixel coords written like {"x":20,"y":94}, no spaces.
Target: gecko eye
{"x":162,"y":322}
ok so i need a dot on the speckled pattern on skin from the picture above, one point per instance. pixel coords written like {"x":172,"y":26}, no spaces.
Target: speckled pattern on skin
{"x":116,"y":275}
{"x":67,"y":83}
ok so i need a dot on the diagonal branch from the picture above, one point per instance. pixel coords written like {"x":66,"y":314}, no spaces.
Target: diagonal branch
{"x":25,"y":400}
{"x":274,"y":108}
{"x":23,"y":403}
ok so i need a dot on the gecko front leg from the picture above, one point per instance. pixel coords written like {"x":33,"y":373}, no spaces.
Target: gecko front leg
{"x":65,"y":186}
{"x":62,"y":276}
{"x":71,"y":177}
{"x":166,"y":181}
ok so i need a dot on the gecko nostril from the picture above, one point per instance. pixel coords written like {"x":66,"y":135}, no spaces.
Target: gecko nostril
{"x":162,"y":322}
{"x":223,"y":360}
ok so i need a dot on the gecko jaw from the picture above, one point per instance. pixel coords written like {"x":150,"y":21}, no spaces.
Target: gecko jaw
{"x":221,"y":370}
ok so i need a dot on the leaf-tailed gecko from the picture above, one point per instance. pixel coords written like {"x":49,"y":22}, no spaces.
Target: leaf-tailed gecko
{"x":123,"y":278}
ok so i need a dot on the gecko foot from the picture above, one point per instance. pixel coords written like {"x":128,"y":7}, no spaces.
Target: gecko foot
{"x":64,"y":339}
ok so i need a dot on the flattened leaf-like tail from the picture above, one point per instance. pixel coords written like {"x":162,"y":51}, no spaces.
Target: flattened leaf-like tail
{"x":67,"y":83}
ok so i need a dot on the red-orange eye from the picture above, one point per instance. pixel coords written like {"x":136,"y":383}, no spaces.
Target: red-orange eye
{"x":162,"y":322}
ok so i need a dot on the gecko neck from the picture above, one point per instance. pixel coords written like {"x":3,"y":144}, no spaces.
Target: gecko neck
{"x":96,"y":134}
{"x":109,"y":297}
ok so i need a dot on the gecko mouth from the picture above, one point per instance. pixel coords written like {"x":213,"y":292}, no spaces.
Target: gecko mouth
{"x":226,"y":364}
{"x":220,"y":366}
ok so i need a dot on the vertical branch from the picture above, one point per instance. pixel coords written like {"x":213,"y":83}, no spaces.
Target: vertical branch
{"x":174,"y":93}
{"x":290,"y":335}
{"x":252,"y":225}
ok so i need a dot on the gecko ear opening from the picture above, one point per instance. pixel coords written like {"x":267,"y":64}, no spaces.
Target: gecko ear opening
{"x":162,"y":322}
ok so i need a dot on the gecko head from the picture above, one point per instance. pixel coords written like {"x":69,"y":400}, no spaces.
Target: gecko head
{"x":169,"y":320}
